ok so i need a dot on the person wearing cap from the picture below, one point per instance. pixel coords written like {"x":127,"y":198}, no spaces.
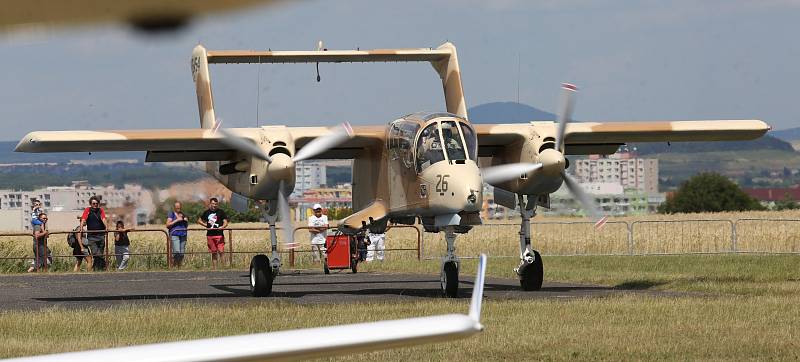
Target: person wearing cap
{"x":317,"y":227}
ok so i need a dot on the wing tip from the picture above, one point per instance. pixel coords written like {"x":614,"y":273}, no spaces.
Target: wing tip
{"x":477,"y":292}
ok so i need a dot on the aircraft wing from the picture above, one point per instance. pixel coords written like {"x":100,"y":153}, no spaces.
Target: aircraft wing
{"x":301,"y":343}
{"x":194,"y":144}
{"x":605,"y":137}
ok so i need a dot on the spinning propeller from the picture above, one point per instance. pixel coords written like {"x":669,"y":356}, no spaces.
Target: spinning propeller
{"x":551,"y":160}
{"x":280,"y":163}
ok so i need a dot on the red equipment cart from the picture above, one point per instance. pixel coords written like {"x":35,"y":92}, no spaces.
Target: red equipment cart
{"x":341,"y":253}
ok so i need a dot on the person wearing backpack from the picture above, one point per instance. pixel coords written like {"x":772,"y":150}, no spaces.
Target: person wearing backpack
{"x":94,"y":221}
{"x":77,"y":241}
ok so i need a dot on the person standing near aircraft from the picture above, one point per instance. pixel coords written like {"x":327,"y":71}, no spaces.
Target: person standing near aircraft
{"x":122,"y":245}
{"x":80,"y":250}
{"x":177,"y":225}
{"x":318,"y":227}
{"x":376,"y":246}
{"x":94,"y":221}
{"x":214,"y":220}
{"x":41,"y":253}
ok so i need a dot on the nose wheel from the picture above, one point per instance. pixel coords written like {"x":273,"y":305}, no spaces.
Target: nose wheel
{"x":449,"y":276}
{"x":261,"y":276}
{"x":449,"y":279}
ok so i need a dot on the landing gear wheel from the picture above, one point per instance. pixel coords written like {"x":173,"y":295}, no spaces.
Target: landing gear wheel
{"x":260,"y":276}
{"x":531,"y":275}
{"x":449,"y":279}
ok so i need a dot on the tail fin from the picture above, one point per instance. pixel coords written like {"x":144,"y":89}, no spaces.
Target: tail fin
{"x":202,"y":81}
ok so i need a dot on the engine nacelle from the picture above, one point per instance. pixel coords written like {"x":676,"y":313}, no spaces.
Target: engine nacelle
{"x":535,"y":149}
{"x":255,"y":178}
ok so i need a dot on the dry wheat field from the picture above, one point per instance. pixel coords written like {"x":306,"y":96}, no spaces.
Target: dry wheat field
{"x":752,"y":232}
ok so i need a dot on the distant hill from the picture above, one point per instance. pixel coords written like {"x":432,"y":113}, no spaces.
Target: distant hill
{"x":766,"y":142}
{"x":507,"y":112}
{"x":7,"y":155}
{"x":788,"y":135}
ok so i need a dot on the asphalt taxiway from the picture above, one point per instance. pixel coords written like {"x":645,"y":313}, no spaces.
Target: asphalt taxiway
{"x":36,"y":291}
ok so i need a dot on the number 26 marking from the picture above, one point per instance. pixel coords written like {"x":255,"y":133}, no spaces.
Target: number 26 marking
{"x":441,"y":184}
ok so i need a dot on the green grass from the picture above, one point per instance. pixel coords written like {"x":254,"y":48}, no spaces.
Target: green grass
{"x":740,"y":307}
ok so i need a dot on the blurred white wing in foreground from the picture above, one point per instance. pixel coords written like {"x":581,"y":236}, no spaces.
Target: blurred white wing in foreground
{"x":301,"y":343}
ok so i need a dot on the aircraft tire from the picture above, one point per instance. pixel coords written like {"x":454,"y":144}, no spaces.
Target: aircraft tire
{"x":260,"y":276}
{"x":449,"y":279}
{"x":532,"y":276}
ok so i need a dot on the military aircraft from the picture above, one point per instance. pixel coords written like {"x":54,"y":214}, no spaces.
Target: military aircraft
{"x":420,"y":168}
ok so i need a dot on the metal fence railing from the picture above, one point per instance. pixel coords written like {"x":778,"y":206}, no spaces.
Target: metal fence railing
{"x":151,"y":248}
{"x":641,"y":237}
{"x":18,"y":251}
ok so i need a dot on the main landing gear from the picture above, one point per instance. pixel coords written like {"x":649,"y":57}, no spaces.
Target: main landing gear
{"x":450,"y":264}
{"x":530,"y":270}
{"x":263,"y":269}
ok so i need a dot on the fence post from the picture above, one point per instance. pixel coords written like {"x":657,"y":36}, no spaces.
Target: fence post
{"x":230,"y":248}
{"x":733,"y":235}
{"x":629,"y":227}
{"x":105,"y":256}
{"x":169,"y":249}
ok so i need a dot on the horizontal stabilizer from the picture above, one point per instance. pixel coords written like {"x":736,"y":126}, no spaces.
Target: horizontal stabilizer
{"x":329,"y":56}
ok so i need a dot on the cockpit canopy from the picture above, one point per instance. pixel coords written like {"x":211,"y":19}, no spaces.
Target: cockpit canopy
{"x":445,"y":140}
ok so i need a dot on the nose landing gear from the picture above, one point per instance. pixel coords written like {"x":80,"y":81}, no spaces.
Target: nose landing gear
{"x":450,"y":264}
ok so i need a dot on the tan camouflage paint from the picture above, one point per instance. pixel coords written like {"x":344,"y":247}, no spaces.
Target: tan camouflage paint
{"x":202,"y":81}
{"x":377,"y":180}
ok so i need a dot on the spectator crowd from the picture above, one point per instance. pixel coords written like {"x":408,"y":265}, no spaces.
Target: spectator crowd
{"x":88,"y":239}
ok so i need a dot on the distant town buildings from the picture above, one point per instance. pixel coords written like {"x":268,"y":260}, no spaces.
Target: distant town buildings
{"x":621,"y":168}
{"x":132,"y":204}
{"x":769,"y":196}
{"x":313,"y":174}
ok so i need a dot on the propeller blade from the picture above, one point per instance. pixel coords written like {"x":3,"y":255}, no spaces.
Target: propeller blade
{"x":242,"y":145}
{"x":565,"y":112}
{"x":321,"y":144}
{"x":496,"y":174}
{"x":586,"y":200}
{"x":286,"y":219}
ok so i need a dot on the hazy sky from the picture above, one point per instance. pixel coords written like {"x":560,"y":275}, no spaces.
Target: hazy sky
{"x":633,"y":60}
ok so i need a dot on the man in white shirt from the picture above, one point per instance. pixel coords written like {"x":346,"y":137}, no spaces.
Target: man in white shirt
{"x":376,"y":246}
{"x":317,"y":227}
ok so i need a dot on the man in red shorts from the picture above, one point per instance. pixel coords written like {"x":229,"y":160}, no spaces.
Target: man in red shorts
{"x":214,"y":220}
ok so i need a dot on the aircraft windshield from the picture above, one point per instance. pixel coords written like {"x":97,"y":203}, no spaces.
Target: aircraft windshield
{"x":429,"y":147}
{"x":471,"y":140}
{"x":452,"y":141}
